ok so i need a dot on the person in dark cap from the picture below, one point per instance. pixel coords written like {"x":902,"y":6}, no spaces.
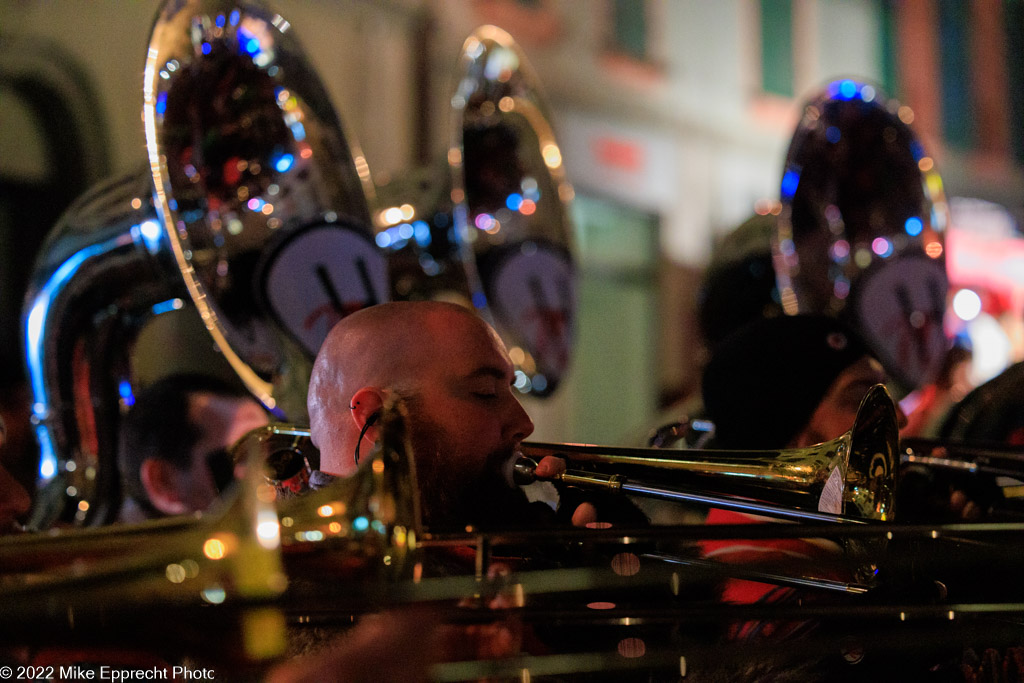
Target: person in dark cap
{"x":787,"y":382}
{"x":777,"y":383}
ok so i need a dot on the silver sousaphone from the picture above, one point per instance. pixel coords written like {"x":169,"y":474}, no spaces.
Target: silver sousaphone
{"x":861,"y":232}
{"x":511,"y":206}
{"x":252,"y":211}
{"x":491,"y":229}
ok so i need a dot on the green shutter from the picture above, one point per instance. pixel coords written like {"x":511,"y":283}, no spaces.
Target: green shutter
{"x":955,"y":66}
{"x":777,"y":47}
{"x":630,"y":28}
{"x":888,"y":66}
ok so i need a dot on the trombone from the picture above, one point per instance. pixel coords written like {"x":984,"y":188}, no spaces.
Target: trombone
{"x":850,"y":479}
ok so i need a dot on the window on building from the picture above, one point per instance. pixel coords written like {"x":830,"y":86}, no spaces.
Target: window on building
{"x":955,"y":67}
{"x":629,"y":28}
{"x":889,"y":48}
{"x":777,"y":47}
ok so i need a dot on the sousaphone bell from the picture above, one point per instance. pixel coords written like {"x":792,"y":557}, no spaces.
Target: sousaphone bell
{"x":252,"y":212}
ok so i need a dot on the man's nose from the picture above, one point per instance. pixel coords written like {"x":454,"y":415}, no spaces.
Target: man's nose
{"x":519,"y":423}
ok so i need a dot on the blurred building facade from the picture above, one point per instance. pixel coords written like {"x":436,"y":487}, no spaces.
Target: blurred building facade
{"x":673,"y":118}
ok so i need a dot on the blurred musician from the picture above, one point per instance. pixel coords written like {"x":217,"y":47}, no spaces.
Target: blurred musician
{"x":454,"y":374}
{"x":993,"y":413}
{"x":788,"y":382}
{"x":777,"y":383}
{"x":174,"y":444}
{"x":989,"y":415}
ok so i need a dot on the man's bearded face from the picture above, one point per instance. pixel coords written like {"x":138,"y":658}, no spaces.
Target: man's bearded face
{"x":460,"y":486}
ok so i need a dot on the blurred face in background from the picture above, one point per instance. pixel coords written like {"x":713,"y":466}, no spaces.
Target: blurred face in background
{"x":218,"y":422}
{"x":837,"y":410}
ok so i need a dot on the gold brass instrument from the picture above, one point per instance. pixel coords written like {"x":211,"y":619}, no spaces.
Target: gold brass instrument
{"x":848,"y":479}
{"x":75,"y":585}
{"x":285,"y":451}
{"x":492,"y":228}
{"x":240,"y":561}
{"x":368,"y":536}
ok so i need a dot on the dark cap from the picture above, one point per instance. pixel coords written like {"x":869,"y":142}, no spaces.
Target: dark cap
{"x":765,"y":380}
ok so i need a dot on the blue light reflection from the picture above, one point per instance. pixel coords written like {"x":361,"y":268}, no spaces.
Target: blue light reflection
{"x":35,"y":330}
{"x":283,"y":162}
{"x":790,"y":181}
{"x":848,"y":90}
{"x":124,"y":389}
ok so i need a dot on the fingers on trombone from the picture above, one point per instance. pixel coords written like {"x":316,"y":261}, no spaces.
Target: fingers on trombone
{"x":584,"y":515}
{"x":550,"y":467}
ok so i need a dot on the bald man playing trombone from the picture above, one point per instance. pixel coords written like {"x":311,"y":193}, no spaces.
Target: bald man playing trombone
{"x":454,"y":375}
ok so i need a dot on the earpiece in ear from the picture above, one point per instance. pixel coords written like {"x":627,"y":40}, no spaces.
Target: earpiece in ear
{"x":366,"y":425}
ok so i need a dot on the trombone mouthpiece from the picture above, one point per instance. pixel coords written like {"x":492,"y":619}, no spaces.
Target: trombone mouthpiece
{"x":523,"y":471}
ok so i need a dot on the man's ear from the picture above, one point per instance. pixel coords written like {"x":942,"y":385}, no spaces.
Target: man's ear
{"x":365,"y":407}
{"x":160,"y":479}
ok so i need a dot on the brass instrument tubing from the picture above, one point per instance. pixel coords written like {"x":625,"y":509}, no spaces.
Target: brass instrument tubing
{"x":620,"y":484}
{"x":765,"y":577}
{"x":875,"y":530}
{"x":739,"y":505}
{"x":993,"y":459}
{"x":913,"y":458}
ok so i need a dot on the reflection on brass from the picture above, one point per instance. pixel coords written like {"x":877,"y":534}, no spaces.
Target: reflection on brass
{"x":512,"y":206}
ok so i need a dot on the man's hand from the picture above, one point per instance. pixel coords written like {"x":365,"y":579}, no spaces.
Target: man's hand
{"x":551,"y":467}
